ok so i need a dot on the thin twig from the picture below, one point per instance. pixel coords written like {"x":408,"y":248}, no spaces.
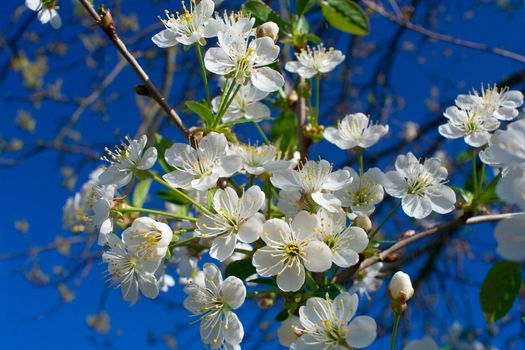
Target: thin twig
{"x":121,"y":47}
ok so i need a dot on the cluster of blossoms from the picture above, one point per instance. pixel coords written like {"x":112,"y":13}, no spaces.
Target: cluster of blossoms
{"x":295,"y":221}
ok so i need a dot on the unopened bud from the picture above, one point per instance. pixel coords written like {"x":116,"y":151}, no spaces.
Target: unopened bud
{"x":400,"y":291}
{"x":287,"y":332}
{"x":363,"y":222}
{"x":269,"y":29}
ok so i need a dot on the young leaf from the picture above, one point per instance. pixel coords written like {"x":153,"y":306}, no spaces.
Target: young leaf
{"x":264,"y":281}
{"x":346,"y":16}
{"x":284,"y":131}
{"x":141,"y":193}
{"x":240,"y":268}
{"x":162,"y":144}
{"x":303,"y":6}
{"x":499,"y":289}
{"x":201,"y":109}
{"x":264,"y":13}
{"x":172,"y":197}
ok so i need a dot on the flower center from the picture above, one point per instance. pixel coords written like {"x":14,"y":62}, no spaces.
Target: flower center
{"x":292,"y":249}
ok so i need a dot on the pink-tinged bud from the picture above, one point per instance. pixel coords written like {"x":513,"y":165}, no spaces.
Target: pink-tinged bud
{"x":269,"y":29}
{"x":400,"y":291}
{"x":400,"y":287}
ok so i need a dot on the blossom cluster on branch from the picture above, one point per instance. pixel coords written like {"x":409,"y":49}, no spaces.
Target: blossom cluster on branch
{"x":264,"y":214}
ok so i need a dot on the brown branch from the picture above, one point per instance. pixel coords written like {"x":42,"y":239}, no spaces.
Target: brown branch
{"x":111,"y":33}
{"x":404,"y":21}
{"x":464,"y":219}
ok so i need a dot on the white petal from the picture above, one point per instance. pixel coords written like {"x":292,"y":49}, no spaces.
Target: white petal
{"x":304,"y":224}
{"x":267,"y":79}
{"x":251,"y":230}
{"x":233,"y":292}
{"x":395,"y":185}
{"x":443,"y":199}
{"x":223,"y":246}
{"x":165,"y":38}
{"x":291,"y":279}
{"x":267,"y":262}
{"x":148,"y":159}
{"x":217,"y":61}
{"x":416,"y":206}
{"x":233,"y":329}
{"x":178,"y":179}
{"x":34,"y":5}
{"x":327,"y":200}
{"x":318,"y":257}
{"x":362,"y":332}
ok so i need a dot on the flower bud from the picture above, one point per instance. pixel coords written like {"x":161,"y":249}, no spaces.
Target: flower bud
{"x":363,"y":222}
{"x":287,"y":332}
{"x":269,"y":29}
{"x":400,"y":291}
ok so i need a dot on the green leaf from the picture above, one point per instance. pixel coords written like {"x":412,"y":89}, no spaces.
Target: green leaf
{"x":240,"y":268}
{"x":303,"y":6}
{"x":281,"y":316}
{"x":346,"y":16}
{"x":201,"y":109}
{"x":264,"y":13}
{"x":284,"y":131}
{"x":141,"y":193}
{"x":263,"y":281}
{"x":162,"y":144}
{"x":489,"y":195}
{"x":172,"y":197}
{"x":333,"y":290}
{"x":245,"y":120}
{"x":499,"y":289}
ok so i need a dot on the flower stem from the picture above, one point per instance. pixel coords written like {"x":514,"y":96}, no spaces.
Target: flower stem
{"x":359,"y":151}
{"x":384,"y":221}
{"x":261,"y":132}
{"x":130,"y":209}
{"x":474,"y":173}
{"x":179,"y":192}
{"x":317,"y":97}
{"x":228,"y":103}
{"x":203,"y":72}
{"x":268,"y":188}
{"x":184,"y":242}
{"x":397,"y":317}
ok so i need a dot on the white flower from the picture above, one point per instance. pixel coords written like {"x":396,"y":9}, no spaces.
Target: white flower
{"x":148,"y":239}
{"x":130,"y":271}
{"x":510,"y":235}
{"x":245,"y":104}
{"x":259,"y":159}
{"x":421,"y":186}
{"x":345,"y":242}
{"x":313,"y":184}
{"x":47,"y":11}
{"x":364,"y":193}
{"x":234,"y":22}
{"x":472,"y":124}
{"x":426,"y":343}
{"x":313,"y":61}
{"x":326,"y":325}
{"x":245,"y":59}
{"x":368,"y":280}
{"x":188,"y":27}
{"x":287,"y":331}
{"x":400,"y":287}
{"x":291,"y":248}
{"x":507,"y":151}
{"x":125,"y":160}
{"x":499,"y":103}
{"x":214,"y":301}
{"x":355,"y":131}
{"x":200,"y":168}
{"x":235,"y":218}
{"x":101,"y":211}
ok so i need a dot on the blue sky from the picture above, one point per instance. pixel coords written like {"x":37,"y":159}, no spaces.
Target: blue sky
{"x":33,"y":189}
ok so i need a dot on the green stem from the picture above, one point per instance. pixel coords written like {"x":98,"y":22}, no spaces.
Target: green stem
{"x":397,"y":317}
{"x":227,"y":104}
{"x":334,"y":273}
{"x":310,"y":278}
{"x":384,"y":221}
{"x":130,"y":209}
{"x":228,"y":89}
{"x":203,"y":72}
{"x":268,"y":189}
{"x":261,"y":132}
{"x":317,"y":98}
{"x":474,"y":173}
{"x":184,"y":242}
{"x":179,"y":192}
{"x":360,"y":160}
